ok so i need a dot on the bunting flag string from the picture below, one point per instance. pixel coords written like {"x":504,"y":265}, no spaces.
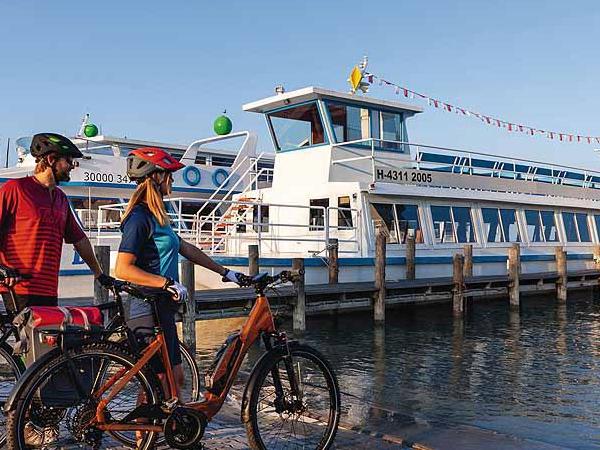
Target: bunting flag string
{"x":489,"y":120}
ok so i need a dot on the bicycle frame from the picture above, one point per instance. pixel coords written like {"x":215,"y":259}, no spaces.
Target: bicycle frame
{"x":260,"y":321}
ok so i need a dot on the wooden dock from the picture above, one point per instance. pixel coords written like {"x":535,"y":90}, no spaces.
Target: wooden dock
{"x":348,"y":297}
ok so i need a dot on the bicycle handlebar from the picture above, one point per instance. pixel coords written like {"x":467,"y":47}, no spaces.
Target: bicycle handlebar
{"x":262,"y":280}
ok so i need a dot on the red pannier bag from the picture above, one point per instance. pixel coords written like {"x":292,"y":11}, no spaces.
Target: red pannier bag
{"x":42,"y":328}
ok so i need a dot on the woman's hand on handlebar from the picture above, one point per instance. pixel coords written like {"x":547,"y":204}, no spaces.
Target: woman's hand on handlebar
{"x":236,"y":277}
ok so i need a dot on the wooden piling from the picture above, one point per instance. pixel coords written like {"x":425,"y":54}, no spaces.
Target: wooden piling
{"x":458,"y":278}
{"x":380,"y":250}
{"x":561,"y":268}
{"x":514,"y":272}
{"x":299,"y":306}
{"x":410,"y":256}
{"x":596,"y":252}
{"x":253,"y":256}
{"x":103,"y":256}
{"x":332,"y":261}
{"x":189,"y":315}
{"x":468,"y":267}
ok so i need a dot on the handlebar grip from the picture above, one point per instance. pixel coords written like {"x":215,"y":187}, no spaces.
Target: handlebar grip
{"x":26,"y":276}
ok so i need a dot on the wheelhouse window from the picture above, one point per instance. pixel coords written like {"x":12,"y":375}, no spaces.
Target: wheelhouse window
{"x":541,"y":226}
{"x":297,"y":127}
{"x":500,"y":225}
{"x":452,"y":224}
{"x":344,"y":213}
{"x":576,"y":227}
{"x":350,"y":123}
{"x":318,"y":208}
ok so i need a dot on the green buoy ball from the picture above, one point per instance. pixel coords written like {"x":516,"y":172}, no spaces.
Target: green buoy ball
{"x":222,"y":125}
{"x":90,"y":130}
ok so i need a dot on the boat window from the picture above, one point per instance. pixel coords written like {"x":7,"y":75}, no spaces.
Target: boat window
{"x":297,"y":127}
{"x":492,"y":226}
{"x":223,"y":161}
{"x":509,"y":225}
{"x":463,"y":224}
{"x":375,"y":125}
{"x":597,"y":222}
{"x":541,"y":226}
{"x":408,"y":222}
{"x":550,"y":231}
{"x":534,"y":226}
{"x":442,"y":225}
{"x":391,"y":126}
{"x":200,"y":159}
{"x":583,"y":228}
{"x":383,"y":215}
{"x":570,"y":227}
{"x":317,"y":213}
{"x":344,"y":215}
{"x":350,"y":123}
{"x":263,"y":220}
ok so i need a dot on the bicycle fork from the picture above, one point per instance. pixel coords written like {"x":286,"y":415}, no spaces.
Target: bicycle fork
{"x":293,"y":403}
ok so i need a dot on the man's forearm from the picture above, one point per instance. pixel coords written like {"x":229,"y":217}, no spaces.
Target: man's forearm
{"x":85,"y":250}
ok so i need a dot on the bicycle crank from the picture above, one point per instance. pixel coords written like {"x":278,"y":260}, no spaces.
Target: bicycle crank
{"x":184,"y":428}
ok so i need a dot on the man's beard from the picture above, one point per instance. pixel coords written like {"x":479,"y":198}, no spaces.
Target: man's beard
{"x":62,"y":176}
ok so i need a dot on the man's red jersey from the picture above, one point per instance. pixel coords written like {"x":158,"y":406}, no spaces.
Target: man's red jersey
{"x":34,"y":220}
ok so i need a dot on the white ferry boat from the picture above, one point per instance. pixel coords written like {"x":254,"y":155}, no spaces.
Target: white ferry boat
{"x":344,"y":165}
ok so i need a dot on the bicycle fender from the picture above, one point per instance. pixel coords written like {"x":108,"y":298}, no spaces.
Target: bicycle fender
{"x":278,"y":349}
{"x":23,"y":381}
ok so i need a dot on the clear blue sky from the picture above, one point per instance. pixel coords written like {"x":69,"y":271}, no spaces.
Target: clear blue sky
{"x":163,"y":70}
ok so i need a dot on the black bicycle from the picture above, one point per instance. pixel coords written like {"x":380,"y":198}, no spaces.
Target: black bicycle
{"x":12,"y":366}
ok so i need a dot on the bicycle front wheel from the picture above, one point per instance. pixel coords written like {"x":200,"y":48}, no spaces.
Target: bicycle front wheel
{"x":60,"y":400}
{"x":292,"y":400}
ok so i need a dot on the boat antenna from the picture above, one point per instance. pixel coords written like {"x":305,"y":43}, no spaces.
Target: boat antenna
{"x":84,"y":121}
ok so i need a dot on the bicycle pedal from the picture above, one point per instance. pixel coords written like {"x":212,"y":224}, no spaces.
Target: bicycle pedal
{"x":169,"y":406}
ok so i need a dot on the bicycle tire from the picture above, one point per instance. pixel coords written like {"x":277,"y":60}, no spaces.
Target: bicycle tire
{"x":16,"y":366}
{"x":18,"y":416}
{"x":252,"y":416}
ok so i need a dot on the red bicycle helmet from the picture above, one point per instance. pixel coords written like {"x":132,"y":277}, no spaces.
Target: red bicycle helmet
{"x":141,"y":162}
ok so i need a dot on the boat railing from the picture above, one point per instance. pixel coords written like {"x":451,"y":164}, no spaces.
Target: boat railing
{"x":464,"y":162}
{"x":254,"y":223}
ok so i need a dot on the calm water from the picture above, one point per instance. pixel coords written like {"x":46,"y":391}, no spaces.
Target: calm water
{"x":535,"y":375}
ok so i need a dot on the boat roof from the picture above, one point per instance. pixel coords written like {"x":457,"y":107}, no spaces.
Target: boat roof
{"x":314,"y":93}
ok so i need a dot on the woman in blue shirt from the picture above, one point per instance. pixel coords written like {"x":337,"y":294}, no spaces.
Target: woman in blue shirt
{"x":150,"y":249}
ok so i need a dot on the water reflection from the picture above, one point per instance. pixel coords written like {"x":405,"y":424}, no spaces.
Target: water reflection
{"x":535,"y":374}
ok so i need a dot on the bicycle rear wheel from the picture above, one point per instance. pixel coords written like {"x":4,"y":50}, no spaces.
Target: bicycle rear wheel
{"x":57,"y":415}
{"x":292,"y":400}
{"x":11,"y":368}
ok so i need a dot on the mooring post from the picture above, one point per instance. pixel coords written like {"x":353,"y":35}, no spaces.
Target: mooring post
{"x":514,"y":273}
{"x":410,"y":255}
{"x":597,"y":256}
{"x":561,"y":268}
{"x":103,"y":256}
{"x":332,"y":261}
{"x":458,"y":278}
{"x":299,"y":306}
{"x":253,"y":255}
{"x":468,"y":268}
{"x":189,"y":312}
{"x":380,"y":250}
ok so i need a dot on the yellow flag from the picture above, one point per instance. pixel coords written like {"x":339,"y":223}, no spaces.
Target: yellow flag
{"x":356,"y":77}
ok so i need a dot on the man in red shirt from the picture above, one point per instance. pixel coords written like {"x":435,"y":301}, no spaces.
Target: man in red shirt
{"x":35,"y":218}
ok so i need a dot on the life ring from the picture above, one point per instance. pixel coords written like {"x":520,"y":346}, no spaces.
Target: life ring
{"x":195,"y":176}
{"x":222,"y":174}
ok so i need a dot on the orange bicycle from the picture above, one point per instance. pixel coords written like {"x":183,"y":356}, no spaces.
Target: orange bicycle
{"x":291,"y":398}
